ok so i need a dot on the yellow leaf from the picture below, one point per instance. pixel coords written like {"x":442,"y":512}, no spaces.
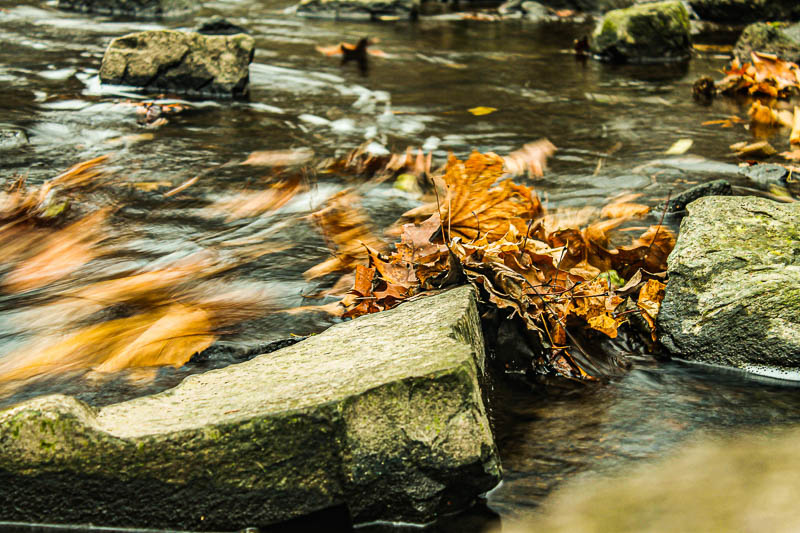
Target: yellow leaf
{"x":480,"y":110}
{"x":680,"y":147}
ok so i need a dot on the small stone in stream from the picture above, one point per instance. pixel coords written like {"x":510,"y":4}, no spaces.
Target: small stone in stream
{"x":774,"y":178}
{"x":712,"y":188}
{"x":145,"y":9}
{"x":181,"y":62}
{"x":220,"y":26}
{"x":704,"y":90}
{"x":11,"y":138}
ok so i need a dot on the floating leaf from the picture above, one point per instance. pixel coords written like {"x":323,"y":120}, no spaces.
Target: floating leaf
{"x":680,"y":147}
{"x":480,"y":110}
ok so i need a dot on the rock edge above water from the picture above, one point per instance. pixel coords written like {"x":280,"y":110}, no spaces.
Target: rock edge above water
{"x":733,"y":295}
{"x":383,"y":414}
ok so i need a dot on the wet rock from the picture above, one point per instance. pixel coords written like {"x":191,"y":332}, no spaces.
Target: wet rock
{"x":139,"y":8}
{"x":589,"y":6}
{"x":383,"y":414}
{"x":763,"y":37}
{"x":180,"y":62}
{"x":711,"y":188}
{"x":12,"y":138}
{"x":220,"y":26}
{"x":733,"y":295}
{"x":363,"y":9}
{"x":643,"y":33}
{"x":742,"y":484}
{"x":746,"y":11}
{"x":773,"y":178}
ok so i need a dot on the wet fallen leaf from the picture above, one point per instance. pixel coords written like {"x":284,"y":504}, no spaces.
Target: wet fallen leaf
{"x":794,"y":137}
{"x":757,"y":149}
{"x":480,"y":110}
{"x":275,"y":158}
{"x":649,"y":302}
{"x":531,"y":158}
{"x":680,"y":147}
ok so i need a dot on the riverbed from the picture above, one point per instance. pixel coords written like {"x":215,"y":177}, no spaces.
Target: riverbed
{"x":611,"y":124}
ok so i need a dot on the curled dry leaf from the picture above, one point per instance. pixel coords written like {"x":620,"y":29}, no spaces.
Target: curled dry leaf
{"x":650,"y":298}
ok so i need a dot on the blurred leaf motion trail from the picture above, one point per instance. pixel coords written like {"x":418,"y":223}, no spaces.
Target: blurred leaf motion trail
{"x":477,"y":226}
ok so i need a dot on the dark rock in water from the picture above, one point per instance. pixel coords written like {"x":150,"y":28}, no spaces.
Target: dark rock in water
{"x":772,"y":178}
{"x":137,"y":8}
{"x":733,"y":296}
{"x":188,"y":63}
{"x":528,"y":8}
{"x":365,"y":9}
{"x":220,"y":26}
{"x":589,"y":6}
{"x":11,"y":137}
{"x":763,"y":37}
{"x":746,"y":11}
{"x":655,"y":32}
{"x":712,"y":188}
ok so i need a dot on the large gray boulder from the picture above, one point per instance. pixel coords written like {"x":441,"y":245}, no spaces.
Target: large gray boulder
{"x":733,"y":295}
{"x":746,"y":11}
{"x":763,"y":37}
{"x":383,"y":414}
{"x":138,"y":8}
{"x":746,"y":484}
{"x":653,"y":32}
{"x":181,"y":62}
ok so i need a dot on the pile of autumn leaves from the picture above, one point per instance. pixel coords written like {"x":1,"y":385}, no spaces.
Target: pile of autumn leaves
{"x":771,"y":81}
{"x":495,"y":234}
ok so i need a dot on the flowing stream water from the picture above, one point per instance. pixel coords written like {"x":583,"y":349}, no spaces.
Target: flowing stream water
{"x":611,"y":124}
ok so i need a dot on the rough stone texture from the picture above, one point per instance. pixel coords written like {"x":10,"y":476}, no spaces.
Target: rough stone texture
{"x":146,"y":9}
{"x":188,"y":63}
{"x":383,"y":414}
{"x":733,"y":295}
{"x":763,"y":37}
{"x":643,"y":33}
{"x":746,"y":11}
{"x":746,"y":484}
{"x":360,"y":9}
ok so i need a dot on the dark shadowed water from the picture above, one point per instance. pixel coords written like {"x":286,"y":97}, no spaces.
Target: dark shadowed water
{"x":611,"y":124}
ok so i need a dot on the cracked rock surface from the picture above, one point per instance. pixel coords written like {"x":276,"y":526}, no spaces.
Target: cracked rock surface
{"x":181,"y":62}
{"x":733,"y":295}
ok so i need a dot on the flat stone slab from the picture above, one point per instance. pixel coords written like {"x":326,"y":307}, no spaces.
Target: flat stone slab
{"x":733,"y":295}
{"x":383,"y":414}
{"x":181,"y":62}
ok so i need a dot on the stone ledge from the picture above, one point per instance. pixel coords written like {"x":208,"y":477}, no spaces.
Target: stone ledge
{"x":383,"y":414}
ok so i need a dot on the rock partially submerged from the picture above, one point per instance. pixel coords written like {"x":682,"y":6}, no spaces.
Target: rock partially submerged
{"x":383,"y":414}
{"x":763,"y":37}
{"x":733,"y":295}
{"x":359,"y":9}
{"x":745,"y":11}
{"x":181,"y":62}
{"x":146,"y":9}
{"x":643,"y":33}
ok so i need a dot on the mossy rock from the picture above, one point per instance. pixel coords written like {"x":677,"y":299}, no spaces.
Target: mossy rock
{"x":733,"y":296}
{"x":382,"y":414}
{"x":181,"y":62}
{"x":768,"y":38}
{"x":654,"y":32}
